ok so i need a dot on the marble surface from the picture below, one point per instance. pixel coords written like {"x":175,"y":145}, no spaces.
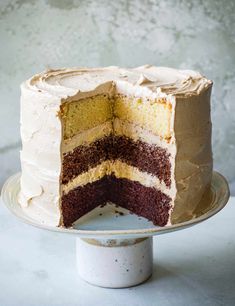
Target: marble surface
{"x":37,"y":34}
{"x":195,"y":266}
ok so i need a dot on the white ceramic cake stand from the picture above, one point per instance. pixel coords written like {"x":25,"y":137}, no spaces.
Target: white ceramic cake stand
{"x":115,"y":249}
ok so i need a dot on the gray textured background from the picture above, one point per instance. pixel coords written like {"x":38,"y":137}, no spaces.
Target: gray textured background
{"x":200,"y":35}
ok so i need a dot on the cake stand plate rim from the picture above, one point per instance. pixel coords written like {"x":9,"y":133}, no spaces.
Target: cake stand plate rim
{"x":219,"y":188}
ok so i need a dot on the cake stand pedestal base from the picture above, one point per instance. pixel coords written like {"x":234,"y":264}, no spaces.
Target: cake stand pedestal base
{"x":115,"y":263}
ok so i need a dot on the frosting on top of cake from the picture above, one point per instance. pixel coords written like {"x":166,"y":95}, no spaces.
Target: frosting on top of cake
{"x":160,"y":80}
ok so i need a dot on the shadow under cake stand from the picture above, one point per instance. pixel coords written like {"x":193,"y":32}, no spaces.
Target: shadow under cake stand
{"x":114,"y":248}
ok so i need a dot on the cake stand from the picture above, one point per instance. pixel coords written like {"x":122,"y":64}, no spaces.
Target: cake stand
{"x":115,"y":249}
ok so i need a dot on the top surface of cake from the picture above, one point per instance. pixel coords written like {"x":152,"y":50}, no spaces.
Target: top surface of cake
{"x":140,"y":138}
{"x":155,"y":79}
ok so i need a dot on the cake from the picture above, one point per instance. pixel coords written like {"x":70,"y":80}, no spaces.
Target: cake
{"x":138,"y":138}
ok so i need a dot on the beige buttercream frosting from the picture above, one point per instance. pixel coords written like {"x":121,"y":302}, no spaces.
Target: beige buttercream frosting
{"x":42,"y":139}
{"x":146,"y":79}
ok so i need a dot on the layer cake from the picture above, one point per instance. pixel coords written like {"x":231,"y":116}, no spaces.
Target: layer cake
{"x":139,"y":138}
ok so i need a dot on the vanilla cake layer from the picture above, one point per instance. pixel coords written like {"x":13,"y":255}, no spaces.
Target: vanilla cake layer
{"x":183,"y":129}
{"x":152,"y":114}
{"x":84,"y":114}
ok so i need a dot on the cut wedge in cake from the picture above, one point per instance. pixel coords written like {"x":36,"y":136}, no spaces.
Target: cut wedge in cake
{"x":139,"y":138}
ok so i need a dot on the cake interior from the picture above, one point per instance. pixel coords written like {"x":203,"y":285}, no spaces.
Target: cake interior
{"x":116,"y":149}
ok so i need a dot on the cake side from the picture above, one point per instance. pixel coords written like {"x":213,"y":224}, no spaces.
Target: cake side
{"x":194,"y":163}
{"x":40,"y":155}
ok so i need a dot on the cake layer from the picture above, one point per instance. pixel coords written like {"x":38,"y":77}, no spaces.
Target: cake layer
{"x":120,"y":170}
{"x":83,"y":199}
{"x":144,"y":201}
{"x":154,"y":115}
{"x":151,"y":114}
{"x":85,"y":114}
{"x":147,"y":158}
{"x":141,"y":200}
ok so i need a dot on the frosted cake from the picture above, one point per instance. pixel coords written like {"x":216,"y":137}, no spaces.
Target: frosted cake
{"x":139,"y":138}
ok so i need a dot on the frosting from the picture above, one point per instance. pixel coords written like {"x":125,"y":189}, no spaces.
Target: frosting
{"x":145,"y":79}
{"x":42,"y":134}
{"x":116,"y":127}
{"x":120,"y":170}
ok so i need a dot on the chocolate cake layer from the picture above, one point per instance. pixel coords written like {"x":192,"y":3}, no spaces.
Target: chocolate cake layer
{"x":148,"y":158}
{"x":143,"y":201}
{"x":84,"y":157}
{"x":81,"y":200}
